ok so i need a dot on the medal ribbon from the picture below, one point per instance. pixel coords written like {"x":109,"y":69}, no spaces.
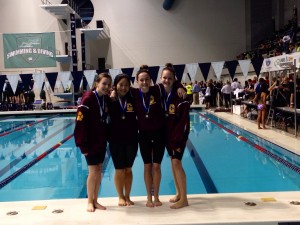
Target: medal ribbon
{"x":123,"y":107}
{"x":167,"y":100}
{"x":145,"y":104}
{"x":101,"y":104}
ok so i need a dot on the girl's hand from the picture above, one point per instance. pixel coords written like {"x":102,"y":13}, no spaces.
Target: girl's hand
{"x":113,"y":95}
{"x":181,"y":93}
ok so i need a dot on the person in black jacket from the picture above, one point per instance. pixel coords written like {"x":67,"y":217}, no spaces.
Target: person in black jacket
{"x":123,"y":145}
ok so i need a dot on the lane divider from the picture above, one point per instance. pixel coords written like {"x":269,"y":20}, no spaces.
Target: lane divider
{"x":34,"y":161}
{"x":28,"y":125}
{"x":259,"y":148}
{"x":29,"y":151}
{"x":9,"y":129}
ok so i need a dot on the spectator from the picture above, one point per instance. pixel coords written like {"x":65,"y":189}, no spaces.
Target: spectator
{"x":196,"y":90}
{"x":286,"y":87}
{"x":208,"y":95}
{"x":235,"y":84}
{"x":226,"y":91}
{"x":236,"y":88}
{"x":189,"y":92}
{"x":249,"y":89}
{"x":286,"y":42}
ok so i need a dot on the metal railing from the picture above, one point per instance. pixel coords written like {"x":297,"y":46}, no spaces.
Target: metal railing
{"x":71,"y":3}
{"x":46,"y":2}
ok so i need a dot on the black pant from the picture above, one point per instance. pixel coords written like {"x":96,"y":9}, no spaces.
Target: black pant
{"x":227,"y":100}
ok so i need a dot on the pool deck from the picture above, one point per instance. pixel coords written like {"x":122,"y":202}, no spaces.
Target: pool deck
{"x":271,"y":207}
{"x":203,"y":209}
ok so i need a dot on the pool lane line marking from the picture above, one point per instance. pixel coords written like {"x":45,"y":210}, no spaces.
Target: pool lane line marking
{"x":28,"y":125}
{"x":9,"y":129}
{"x":18,"y":159}
{"x":34,"y":161}
{"x":256,"y":146}
{"x":206,"y":178}
{"x":4,"y":120}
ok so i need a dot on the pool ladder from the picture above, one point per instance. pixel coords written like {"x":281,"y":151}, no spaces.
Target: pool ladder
{"x":271,"y":117}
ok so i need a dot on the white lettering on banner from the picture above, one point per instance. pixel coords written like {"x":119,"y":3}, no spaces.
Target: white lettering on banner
{"x":280,"y":62}
{"x":29,"y":51}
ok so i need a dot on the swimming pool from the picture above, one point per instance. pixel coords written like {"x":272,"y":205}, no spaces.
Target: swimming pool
{"x":39,"y":160}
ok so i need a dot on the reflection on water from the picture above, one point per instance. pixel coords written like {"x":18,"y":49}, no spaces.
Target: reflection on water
{"x":232,"y":164}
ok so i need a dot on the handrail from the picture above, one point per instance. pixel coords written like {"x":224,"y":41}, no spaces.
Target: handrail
{"x":84,"y":25}
{"x":58,"y":52}
{"x":71,"y":3}
{"x":46,"y":2}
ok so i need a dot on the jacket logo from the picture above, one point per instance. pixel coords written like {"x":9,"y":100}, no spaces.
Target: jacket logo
{"x":172,"y":109}
{"x":152,"y":100}
{"x":79,"y":116}
{"x":129,"y":107}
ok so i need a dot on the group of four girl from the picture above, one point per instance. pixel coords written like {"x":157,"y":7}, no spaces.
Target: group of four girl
{"x":155,"y":117}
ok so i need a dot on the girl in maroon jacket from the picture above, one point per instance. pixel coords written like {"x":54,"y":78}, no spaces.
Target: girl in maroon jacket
{"x":91,"y":134}
{"x":151,"y":126}
{"x":123,"y":137}
{"x":177,"y":130}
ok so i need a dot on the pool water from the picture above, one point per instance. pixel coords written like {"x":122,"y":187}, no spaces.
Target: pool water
{"x":39,"y":160}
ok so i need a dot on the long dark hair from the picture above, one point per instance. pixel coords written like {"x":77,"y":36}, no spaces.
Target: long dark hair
{"x":120,"y":77}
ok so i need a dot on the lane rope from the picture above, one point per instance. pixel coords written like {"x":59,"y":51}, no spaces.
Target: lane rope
{"x":34,"y":161}
{"x":27,"y":125}
{"x":256,"y":146}
{"x":29,"y":151}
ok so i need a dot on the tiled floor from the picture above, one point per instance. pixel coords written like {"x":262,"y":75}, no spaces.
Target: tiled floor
{"x":270,"y":208}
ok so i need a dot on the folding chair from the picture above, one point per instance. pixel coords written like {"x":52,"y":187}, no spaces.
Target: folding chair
{"x":37,"y":104}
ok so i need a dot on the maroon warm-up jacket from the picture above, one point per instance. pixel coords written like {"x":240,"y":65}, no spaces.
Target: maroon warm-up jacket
{"x":90,"y":130}
{"x":178,"y":122}
{"x":156,"y":119}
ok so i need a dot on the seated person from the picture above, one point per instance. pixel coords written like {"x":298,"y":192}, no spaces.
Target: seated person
{"x":284,"y":91}
{"x":249,"y":90}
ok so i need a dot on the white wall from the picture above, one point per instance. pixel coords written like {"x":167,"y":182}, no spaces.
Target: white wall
{"x":142,"y":32}
{"x":26,"y":16}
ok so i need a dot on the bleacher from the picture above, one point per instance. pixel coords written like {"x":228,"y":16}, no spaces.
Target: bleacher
{"x":273,"y":45}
